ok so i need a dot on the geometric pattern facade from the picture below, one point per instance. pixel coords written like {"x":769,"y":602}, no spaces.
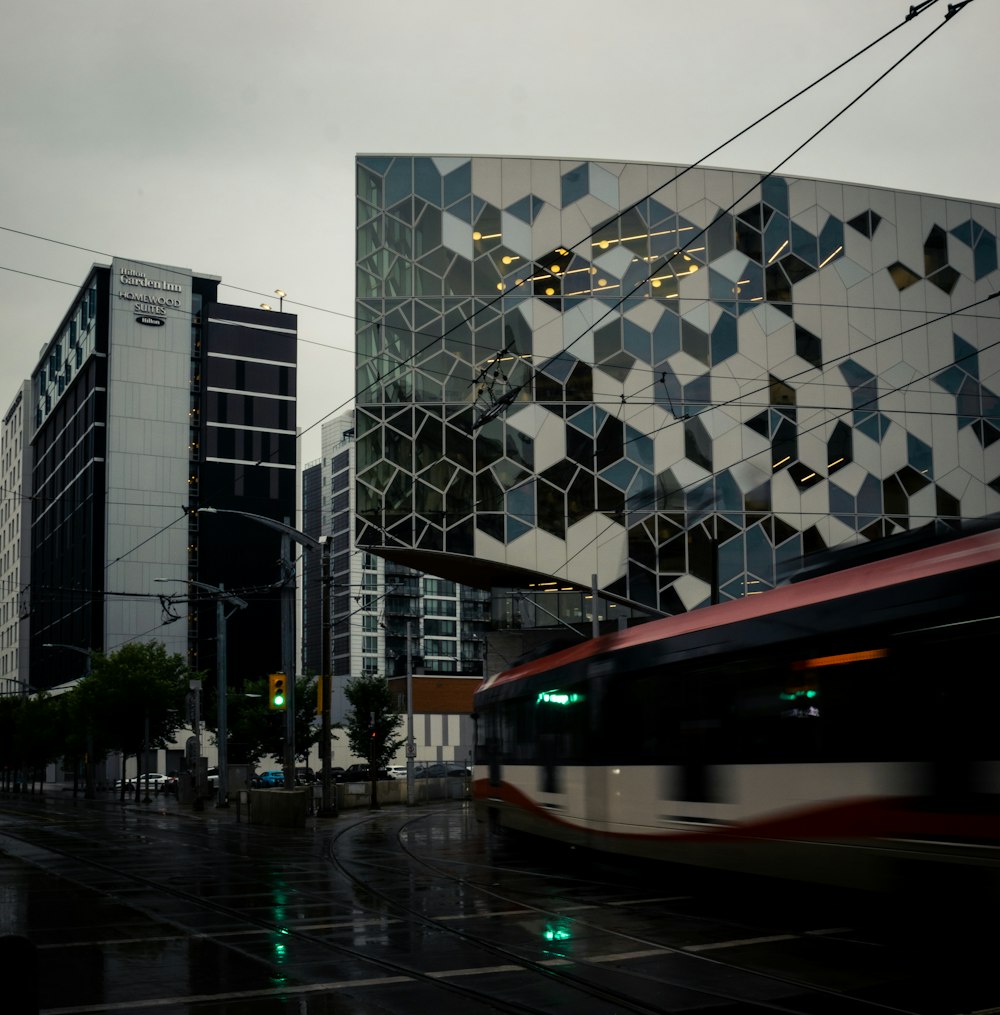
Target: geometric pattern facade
{"x":675,"y":381}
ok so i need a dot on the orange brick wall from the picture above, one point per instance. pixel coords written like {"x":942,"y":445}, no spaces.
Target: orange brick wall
{"x":445,"y":695}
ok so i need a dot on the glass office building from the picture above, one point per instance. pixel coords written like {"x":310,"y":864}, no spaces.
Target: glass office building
{"x":671,"y":384}
{"x":151,"y":400}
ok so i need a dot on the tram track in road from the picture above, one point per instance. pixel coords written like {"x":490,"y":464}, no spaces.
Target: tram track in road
{"x":579,"y":972}
{"x":389,"y":973}
{"x":614,"y":965}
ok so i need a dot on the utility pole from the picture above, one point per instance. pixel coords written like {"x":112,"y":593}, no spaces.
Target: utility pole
{"x":288,"y":653}
{"x":326,"y":678}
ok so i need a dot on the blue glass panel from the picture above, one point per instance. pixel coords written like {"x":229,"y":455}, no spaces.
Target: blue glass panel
{"x":728,"y":495}
{"x":774,"y":191}
{"x":427,"y":181}
{"x":870,"y":498}
{"x":919,"y":455}
{"x":636,"y":340}
{"x":990,"y":405}
{"x":841,"y":502}
{"x":522,"y":209}
{"x":963,"y":232}
{"x":724,"y":339}
{"x":719,"y":287}
{"x":855,"y":374}
{"x":667,"y":392}
{"x":804,"y":245}
{"x":776,"y":240}
{"x":583,"y":420}
{"x":521,"y":501}
{"x":575,"y":184}
{"x":638,"y":447}
{"x":620,"y":474}
{"x":516,"y":528}
{"x":760,"y":555}
{"x":458,"y":183}
{"x":659,"y":214}
{"x":640,"y":492}
{"x":666,"y":337}
{"x":398,"y":181}
{"x":951,"y":379}
{"x":967,"y":356}
{"x":379,"y":163}
{"x":560,"y":366}
{"x":698,"y":394}
{"x":985,"y":255}
{"x":731,"y":561}
{"x":751,"y":286}
{"x":790,"y":552}
{"x":831,"y":240}
{"x":868,"y":425}
{"x":967,"y":400}
{"x":462,"y":209}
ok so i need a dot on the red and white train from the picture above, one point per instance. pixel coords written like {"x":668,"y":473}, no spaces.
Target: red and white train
{"x":843,"y":729}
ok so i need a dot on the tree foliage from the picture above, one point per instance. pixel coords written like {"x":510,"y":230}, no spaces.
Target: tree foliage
{"x":256,"y":732}
{"x":370,"y":700}
{"x":33,"y":732}
{"x":134,"y":698}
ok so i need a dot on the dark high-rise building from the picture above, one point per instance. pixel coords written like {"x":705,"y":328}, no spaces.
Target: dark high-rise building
{"x":153,"y":400}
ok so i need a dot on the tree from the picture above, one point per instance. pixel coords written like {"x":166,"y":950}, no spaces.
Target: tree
{"x":255,"y":731}
{"x":33,"y":732}
{"x":135,"y":698}
{"x":372,"y":725}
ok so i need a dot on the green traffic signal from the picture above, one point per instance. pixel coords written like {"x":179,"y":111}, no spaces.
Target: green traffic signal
{"x":276,"y":698}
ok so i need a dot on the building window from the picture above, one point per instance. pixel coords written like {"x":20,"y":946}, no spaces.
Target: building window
{"x":440,"y":607}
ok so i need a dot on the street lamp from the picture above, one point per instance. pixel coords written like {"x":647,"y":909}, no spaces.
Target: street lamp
{"x":281,"y":294}
{"x":88,"y":768}
{"x":290,"y":534}
{"x":221,"y":617}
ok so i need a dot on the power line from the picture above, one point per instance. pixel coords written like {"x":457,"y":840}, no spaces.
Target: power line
{"x":509,"y":397}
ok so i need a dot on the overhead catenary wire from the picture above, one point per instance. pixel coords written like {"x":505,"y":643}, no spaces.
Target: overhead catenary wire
{"x":913,"y":12}
{"x":664,"y":263}
{"x":505,"y":399}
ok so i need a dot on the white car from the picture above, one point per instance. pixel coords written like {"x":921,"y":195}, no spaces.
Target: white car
{"x":156,"y":780}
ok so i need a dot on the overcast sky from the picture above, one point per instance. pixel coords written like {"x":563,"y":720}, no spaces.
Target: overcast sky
{"x":220,"y":135}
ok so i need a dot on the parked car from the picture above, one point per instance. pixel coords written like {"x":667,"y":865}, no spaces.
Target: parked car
{"x":156,"y":780}
{"x":360,"y":772}
{"x":272,"y":779}
{"x":304,"y":776}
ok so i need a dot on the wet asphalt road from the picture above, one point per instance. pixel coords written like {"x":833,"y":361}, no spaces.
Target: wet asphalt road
{"x":415,"y":910}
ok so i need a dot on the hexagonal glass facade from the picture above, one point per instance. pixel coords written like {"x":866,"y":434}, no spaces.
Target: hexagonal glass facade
{"x":676,"y":381}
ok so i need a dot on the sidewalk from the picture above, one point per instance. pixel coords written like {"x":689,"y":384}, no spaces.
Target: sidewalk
{"x":164,"y":804}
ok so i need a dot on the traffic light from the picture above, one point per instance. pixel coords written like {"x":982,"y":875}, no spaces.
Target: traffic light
{"x":277,"y":697}
{"x":372,"y":728}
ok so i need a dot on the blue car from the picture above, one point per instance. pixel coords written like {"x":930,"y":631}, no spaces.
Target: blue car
{"x":272,"y":779}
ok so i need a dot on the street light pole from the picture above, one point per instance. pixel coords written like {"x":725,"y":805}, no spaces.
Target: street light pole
{"x":326,"y":677}
{"x":289,"y":534}
{"x":288,"y":653}
{"x":221,"y":671}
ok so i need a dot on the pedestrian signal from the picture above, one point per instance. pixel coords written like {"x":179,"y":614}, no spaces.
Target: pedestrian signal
{"x":277,"y":697}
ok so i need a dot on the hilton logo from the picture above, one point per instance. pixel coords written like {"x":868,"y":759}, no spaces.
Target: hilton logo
{"x":152,"y":322}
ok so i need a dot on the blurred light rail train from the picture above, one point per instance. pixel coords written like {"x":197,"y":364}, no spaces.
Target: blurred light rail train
{"x":842,"y":729}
